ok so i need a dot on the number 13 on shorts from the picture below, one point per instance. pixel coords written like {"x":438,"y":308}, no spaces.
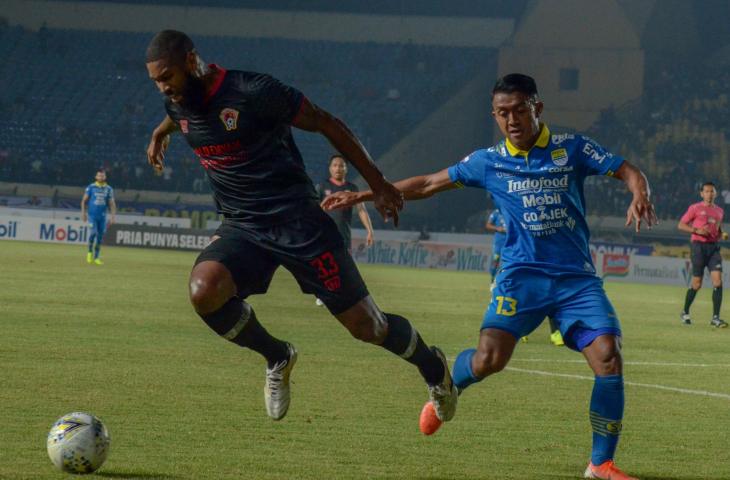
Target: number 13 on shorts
{"x":506,"y":306}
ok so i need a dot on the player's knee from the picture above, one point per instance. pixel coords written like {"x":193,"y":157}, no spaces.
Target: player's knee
{"x":367,"y":329}
{"x":365,"y":322}
{"x":210,"y":288}
{"x":607,"y":358}
{"x":696,"y":283}
{"x":487,"y":362}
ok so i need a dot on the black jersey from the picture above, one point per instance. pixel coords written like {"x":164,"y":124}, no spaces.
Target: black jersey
{"x":341,"y":216}
{"x":242,"y":136}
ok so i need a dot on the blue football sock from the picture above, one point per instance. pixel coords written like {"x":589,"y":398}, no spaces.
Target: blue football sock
{"x":607,"y":411}
{"x":462,"y":373}
{"x":97,"y":247}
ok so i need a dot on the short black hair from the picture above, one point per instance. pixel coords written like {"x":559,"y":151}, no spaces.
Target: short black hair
{"x":337,"y":155}
{"x":706,"y":184}
{"x":516,"y":82}
{"x":169,"y":45}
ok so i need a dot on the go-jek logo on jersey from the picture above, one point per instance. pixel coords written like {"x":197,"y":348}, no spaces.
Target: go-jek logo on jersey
{"x":50,"y":232}
{"x":537,"y":185}
{"x":9,"y":230}
{"x":533,"y":200}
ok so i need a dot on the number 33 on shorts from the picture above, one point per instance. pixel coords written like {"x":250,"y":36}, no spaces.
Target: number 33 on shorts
{"x":506,"y":306}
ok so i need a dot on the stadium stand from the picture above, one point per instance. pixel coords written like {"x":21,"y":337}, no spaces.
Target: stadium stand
{"x":82,"y":98}
{"x":678,"y":133}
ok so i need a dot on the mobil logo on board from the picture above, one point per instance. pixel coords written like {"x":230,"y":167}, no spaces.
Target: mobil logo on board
{"x":66,"y":233}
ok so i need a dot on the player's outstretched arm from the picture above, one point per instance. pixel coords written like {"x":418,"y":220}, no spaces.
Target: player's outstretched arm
{"x":413,"y":188}
{"x":159,"y":142}
{"x":386,"y":198}
{"x":641,"y":208}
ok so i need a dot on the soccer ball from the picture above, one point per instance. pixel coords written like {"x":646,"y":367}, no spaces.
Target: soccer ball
{"x":78,"y":443}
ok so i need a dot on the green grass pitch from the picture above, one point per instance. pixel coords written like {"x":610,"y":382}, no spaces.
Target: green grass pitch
{"x":121,"y":341}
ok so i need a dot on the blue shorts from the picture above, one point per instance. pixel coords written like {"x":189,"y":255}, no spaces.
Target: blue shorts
{"x":524,"y":296}
{"x":98,"y":227}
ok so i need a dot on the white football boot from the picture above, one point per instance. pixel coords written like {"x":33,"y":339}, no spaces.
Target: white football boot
{"x":445,"y":395}
{"x":276,"y":389}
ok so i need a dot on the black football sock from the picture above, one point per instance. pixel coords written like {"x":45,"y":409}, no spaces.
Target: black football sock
{"x":236,"y":322}
{"x":689,"y":299}
{"x":716,"y":301}
{"x":406,"y":342}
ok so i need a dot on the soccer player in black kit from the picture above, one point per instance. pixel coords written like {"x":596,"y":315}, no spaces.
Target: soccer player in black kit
{"x":239,"y":125}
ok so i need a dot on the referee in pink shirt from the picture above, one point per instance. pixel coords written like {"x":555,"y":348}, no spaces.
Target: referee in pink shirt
{"x":704,"y":221}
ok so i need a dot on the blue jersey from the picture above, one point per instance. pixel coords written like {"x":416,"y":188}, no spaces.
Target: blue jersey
{"x":540,"y":194}
{"x":100,"y":194}
{"x":496,"y":218}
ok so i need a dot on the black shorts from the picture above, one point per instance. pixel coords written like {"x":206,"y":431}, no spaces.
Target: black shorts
{"x":705,"y":255}
{"x":310,"y":247}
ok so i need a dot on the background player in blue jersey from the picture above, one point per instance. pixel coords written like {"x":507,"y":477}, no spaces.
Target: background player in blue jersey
{"x":98,"y":197}
{"x":496,"y":225}
{"x":239,"y":123}
{"x":537,"y":180}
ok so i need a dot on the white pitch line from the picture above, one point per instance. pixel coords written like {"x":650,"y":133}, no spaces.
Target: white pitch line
{"x":654,"y":364}
{"x":703,"y":393}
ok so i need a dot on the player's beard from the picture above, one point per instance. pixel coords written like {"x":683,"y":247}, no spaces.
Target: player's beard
{"x":193,"y":95}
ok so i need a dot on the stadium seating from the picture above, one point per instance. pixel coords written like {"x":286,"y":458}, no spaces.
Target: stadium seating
{"x":76,"y":100}
{"x":678,"y":134}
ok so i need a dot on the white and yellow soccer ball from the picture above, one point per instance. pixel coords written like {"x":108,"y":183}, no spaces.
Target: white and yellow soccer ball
{"x":78,"y":443}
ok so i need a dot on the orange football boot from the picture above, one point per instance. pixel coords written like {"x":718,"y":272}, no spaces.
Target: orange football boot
{"x":606,"y":471}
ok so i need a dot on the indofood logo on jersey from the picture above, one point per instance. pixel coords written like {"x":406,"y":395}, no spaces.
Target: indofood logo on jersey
{"x":229,"y":117}
{"x":537,"y":185}
{"x":51,"y":232}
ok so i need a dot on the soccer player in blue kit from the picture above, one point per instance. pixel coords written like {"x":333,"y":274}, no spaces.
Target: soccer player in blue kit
{"x":99,"y":196}
{"x":537,"y":179}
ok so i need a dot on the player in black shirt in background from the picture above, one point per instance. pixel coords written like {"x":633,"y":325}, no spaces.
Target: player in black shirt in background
{"x":239,"y":124}
{"x":337,"y":182}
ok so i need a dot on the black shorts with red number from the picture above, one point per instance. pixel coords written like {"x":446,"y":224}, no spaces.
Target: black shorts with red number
{"x":309,"y":246}
{"x":705,"y":255}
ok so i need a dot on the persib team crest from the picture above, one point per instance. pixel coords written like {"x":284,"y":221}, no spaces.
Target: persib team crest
{"x":559,"y":156}
{"x":229,"y":117}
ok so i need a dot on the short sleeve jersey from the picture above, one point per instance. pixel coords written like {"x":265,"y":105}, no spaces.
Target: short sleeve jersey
{"x":699,"y":215}
{"x":100,"y":194}
{"x":242,"y":136}
{"x":540,"y":194}
{"x":342,"y":216}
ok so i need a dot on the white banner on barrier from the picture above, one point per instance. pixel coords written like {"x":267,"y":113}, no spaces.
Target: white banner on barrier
{"x":423,"y":254}
{"x":36,"y":229}
{"x":62,"y":215}
{"x":648,"y":269}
